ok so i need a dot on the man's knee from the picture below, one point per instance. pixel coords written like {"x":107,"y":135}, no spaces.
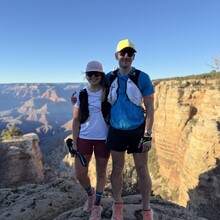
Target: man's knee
{"x":142,"y":170}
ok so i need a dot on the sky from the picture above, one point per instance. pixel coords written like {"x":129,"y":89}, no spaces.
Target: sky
{"x":51,"y":41}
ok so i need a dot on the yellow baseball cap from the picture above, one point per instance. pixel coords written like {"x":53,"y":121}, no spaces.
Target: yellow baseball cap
{"x":124,"y":44}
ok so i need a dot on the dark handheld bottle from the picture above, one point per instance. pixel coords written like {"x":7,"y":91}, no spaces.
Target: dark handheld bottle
{"x":145,"y":139}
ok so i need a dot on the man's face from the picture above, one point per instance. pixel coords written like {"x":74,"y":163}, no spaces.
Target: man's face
{"x":125,"y":57}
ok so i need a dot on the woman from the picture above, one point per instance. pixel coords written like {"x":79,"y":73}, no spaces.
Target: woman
{"x":90,"y":131}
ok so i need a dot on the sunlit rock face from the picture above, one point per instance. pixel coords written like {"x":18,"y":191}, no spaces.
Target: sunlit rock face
{"x":187,"y":139}
{"x":21,"y":161}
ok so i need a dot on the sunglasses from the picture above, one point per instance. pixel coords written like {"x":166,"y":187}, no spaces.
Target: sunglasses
{"x":130,"y":53}
{"x":96,"y":74}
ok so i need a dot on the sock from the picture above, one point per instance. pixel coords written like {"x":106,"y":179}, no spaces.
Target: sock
{"x":89,"y":190}
{"x":98,"y":198}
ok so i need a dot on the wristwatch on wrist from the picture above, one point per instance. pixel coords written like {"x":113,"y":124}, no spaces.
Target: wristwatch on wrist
{"x":148,"y":132}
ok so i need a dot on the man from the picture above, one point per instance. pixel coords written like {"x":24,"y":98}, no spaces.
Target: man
{"x":128,"y":125}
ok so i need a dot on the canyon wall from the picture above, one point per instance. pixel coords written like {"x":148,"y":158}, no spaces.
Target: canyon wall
{"x":187,"y":140}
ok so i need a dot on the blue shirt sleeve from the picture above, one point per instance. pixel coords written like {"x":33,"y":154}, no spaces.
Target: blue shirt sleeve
{"x":145,"y":84}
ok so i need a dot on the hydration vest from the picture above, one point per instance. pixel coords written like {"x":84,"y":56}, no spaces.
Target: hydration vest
{"x":132,"y":90}
{"x":84,"y":107}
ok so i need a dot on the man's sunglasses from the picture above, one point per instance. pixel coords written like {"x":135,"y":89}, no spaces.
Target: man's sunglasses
{"x":96,"y":74}
{"x":130,"y":53}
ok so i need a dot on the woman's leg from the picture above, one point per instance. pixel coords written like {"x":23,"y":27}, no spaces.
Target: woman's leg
{"x":82,"y":172}
{"x":101,"y":167}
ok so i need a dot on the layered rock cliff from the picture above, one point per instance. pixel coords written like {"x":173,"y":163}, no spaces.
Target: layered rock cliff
{"x":21,"y":161}
{"x":187,"y":141}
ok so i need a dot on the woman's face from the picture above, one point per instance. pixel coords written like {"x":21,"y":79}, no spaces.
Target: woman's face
{"x":94,"y":78}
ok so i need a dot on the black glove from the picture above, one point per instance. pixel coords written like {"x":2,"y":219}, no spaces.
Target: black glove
{"x":75,"y":153}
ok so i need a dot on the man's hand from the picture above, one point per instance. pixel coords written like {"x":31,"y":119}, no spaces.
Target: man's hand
{"x":73,"y":98}
{"x":146,"y":146}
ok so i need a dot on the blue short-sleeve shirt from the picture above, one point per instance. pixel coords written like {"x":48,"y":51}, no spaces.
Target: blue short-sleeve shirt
{"x":124,"y":114}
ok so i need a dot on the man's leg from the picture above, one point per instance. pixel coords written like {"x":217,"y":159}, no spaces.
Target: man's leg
{"x":117,"y":174}
{"x":117,"y":183}
{"x":141,"y":160}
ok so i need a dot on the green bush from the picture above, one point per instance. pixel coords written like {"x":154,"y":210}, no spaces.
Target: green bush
{"x":11,"y":133}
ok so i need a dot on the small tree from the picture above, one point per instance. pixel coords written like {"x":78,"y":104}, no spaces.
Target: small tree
{"x":5,"y":135}
{"x":216,"y":61}
{"x":10,"y":133}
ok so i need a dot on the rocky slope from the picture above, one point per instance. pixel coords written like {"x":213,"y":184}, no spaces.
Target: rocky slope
{"x":63,"y":199}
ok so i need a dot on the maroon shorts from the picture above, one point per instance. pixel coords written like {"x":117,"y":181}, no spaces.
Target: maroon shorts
{"x":86,"y":147}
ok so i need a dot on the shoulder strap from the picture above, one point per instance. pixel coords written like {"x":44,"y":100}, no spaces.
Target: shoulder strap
{"x":106,"y":107}
{"x":113,"y":76}
{"x":134,"y":76}
{"x":84,"y":106}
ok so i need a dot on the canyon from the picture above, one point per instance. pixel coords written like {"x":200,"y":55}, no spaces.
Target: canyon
{"x":184,"y":161}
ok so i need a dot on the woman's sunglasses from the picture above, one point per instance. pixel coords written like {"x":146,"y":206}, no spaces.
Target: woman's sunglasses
{"x":96,"y":74}
{"x":130,"y":53}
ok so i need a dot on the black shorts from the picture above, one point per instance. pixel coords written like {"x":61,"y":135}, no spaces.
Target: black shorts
{"x":125,"y":140}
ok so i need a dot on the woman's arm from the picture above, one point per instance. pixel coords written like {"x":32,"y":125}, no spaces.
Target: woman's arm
{"x":75,"y":127}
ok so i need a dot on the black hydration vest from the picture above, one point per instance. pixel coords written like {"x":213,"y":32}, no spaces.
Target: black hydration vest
{"x":84,"y":107}
{"x":132,"y":90}
{"x":134,"y":76}
{"x":105,"y":105}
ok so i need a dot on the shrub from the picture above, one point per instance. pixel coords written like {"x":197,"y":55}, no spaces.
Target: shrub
{"x":11,"y":133}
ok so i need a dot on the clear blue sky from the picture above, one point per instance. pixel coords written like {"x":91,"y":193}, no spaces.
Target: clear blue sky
{"x":52,"y":40}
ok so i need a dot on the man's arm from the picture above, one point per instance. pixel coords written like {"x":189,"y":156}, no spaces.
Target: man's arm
{"x":149,"y":106}
{"x":73,"y":98}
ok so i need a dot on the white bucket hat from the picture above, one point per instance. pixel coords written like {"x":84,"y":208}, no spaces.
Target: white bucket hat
{"x":94,"y":66}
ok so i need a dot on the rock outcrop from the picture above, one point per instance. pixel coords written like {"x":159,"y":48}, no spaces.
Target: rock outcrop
{"x":21,"y":161}
{"x":40,"y":202}
{"x":63,"y":199}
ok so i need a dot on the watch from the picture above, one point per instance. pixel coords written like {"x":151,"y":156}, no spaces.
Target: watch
{"x":148,"y":132}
